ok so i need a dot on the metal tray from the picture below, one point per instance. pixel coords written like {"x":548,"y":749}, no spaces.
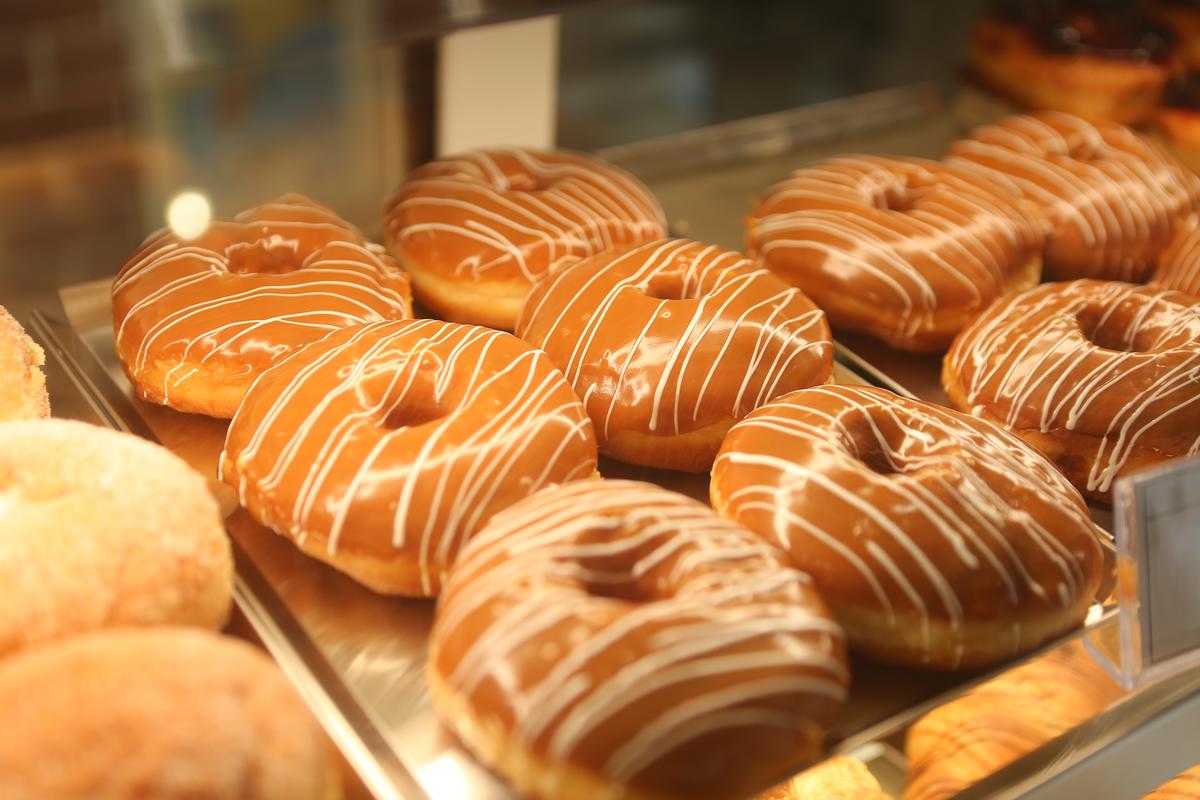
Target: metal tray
{"x":358,"y":658}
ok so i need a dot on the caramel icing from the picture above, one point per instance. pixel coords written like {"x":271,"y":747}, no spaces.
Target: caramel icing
{"x":382,"y":448}
{"x":244,"y":294}
{"x":1110,"y":193}
{"x":621,"y":630}
{"x":1179,"y":267}
{"x":933,"y":520}
{"x":670,"y":337}
{"x":515,"y":214}
{"x":1113,"y":361}
{"x":889,"y":245}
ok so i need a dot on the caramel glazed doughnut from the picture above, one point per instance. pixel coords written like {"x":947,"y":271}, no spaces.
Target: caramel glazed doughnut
{"x":937,"y":539}
{"x":476,"y":230}
{"x":1111,"y":194}
{"x":609,"y":639}
{"x":22,"y":382}
{"x":99,"y":529}
{"x":906,"y":250}
{"x":163,"y":713}
{"x":198,"y":320}
{"x":1102,"y":377}
{"x":668,"y":343}
{"x":381,"y":449}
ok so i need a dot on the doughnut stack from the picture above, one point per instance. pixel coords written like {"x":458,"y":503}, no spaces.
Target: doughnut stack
{"x":596,"y":637}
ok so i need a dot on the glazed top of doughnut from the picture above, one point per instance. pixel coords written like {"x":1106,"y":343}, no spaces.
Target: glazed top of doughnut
{"x":1085,"y":27}
{"x":613,"y":623}
{"x":514,"y":214}
{"x":908,"y":505}
{"x":1103,"y":358}
{"x":1105,"y":183}
{"x":405,"y":436}
{"x":673,"y":335}
{"x":1179,"y":266}
{"x":909,"y":234}
{"x":247,"y":292}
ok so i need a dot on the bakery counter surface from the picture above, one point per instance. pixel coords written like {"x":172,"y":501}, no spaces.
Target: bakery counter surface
{"x":359,"y":658}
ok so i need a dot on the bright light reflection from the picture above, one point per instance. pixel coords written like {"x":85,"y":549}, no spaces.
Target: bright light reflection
{"x":189,"y":213}
{"x":444,"y":778}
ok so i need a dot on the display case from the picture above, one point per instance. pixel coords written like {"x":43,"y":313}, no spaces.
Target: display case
{"x":341,"y":100}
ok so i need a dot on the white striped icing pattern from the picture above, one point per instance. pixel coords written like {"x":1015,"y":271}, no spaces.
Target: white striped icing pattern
{"x":1179,"y":267}
{"x":312,"y":437}
{"x":742,"y":337}
{"x":1027,"y":361}
{"x":566,"y":665}
{"x":956,"y":245}
{"x":183,"y":303}
{"x":1116,"y":189}
{"x":478,"y":209}
{"x":945,"y":511}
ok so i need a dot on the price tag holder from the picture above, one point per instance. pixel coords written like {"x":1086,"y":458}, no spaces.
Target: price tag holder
{"x":1157,"y":627}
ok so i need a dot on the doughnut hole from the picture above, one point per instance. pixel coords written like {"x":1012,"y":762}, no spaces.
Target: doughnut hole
{"x":668,"y":286}
{"x":273,"y":256}
{"x":1110,"y":329}
{"x":404,"y":395}
{"x":612,"y":574}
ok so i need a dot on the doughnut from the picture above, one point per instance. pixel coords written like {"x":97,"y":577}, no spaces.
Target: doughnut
{"x":103,"y":529}
{"x":1098,"y":375}
{"x":614,"y":639}
{"x":22,"y":382}
{"x":1185,"y":786}
{"x":1179,"y":267}
{"x":1105,"y":62}
{"x":937,"y":539}
{"x":476,"y":230}
{"x":197,"y":320}
{"x":837,"y":778}
{"x":903,"y":249}
{"x":165,"y":713}
{"x":381,"y":449}
{"x":992,"y":725}
{"x":1177,"y":120}
{"x":1111,"y":194}
{"x":669,"y":342}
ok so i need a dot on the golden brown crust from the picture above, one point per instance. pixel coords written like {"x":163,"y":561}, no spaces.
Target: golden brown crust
{"x":103,"y":529}
{"x":1115,"y":90}
{"x":1179,"y":267}
{"x":22,"y":383}
{"x":1180,"y":128}
{"x":168,"y":713}
{"x":837,"y":778}
{"x":992,"y":725}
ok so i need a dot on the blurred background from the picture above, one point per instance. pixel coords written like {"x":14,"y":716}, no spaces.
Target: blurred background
{"x":113,"y":110}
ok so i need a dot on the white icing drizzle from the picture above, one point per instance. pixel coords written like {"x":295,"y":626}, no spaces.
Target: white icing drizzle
{"x":718,"y":610}
{"x":953,"y":242}
{"x":735,"y":337}
{"x":313,"y":439}
{"x":1028,"y":362}
{"x":1117,"y":191}
{"x":178,"y":300}
{"x":522,"y":209}
{"x":947,"y":509}
{"x":1179,"y":267}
